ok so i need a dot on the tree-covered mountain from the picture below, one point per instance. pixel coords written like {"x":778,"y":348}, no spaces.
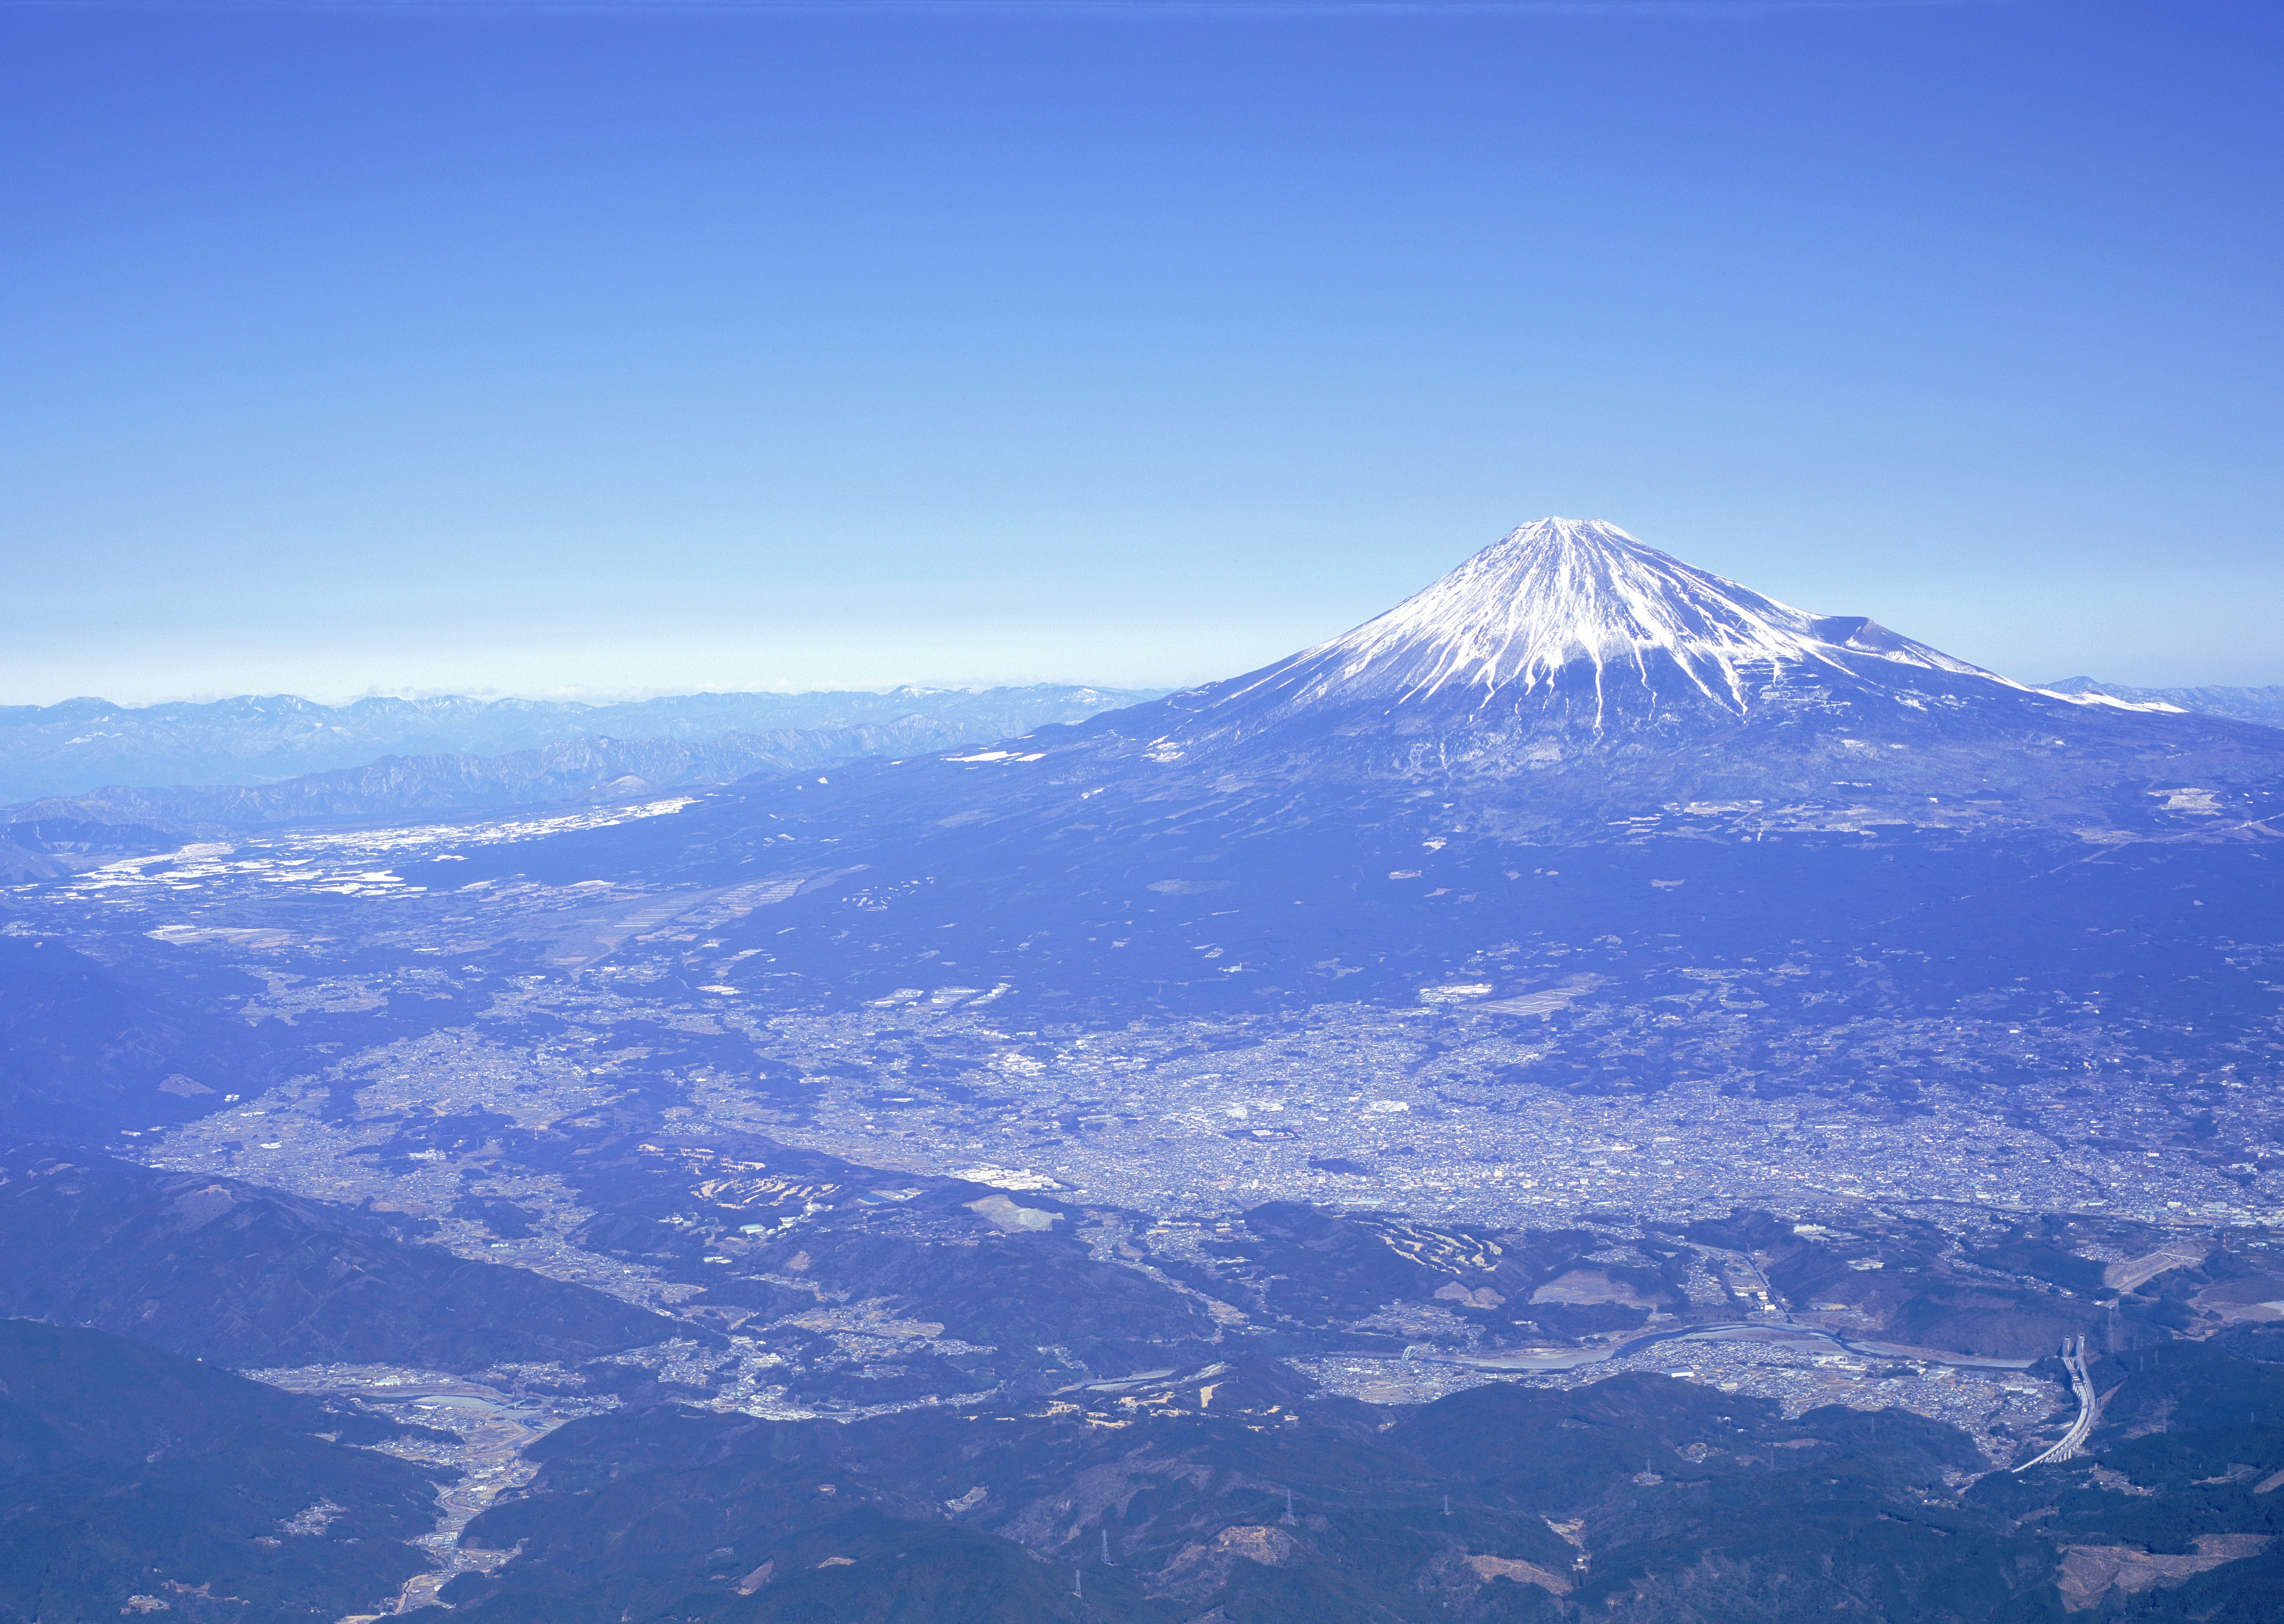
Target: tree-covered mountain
{"x":135,"y":1482}
{"x":212,"y":1268}
{"x":1225,"y":1495}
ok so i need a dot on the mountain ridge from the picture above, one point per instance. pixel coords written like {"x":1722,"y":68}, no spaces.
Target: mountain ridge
{"x":80,"y":745}
{"x":2264,"y":705}
{"x":57,"y":834}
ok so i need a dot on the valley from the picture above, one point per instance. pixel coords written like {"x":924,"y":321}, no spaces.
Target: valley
{"x":1125,"y":1169}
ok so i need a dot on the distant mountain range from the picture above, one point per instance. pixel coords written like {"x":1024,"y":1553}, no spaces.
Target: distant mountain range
{"x":56,"y":833}
{"x":583,"y":769}
{"x":80,"y":745}
{"x":2264,"y":705}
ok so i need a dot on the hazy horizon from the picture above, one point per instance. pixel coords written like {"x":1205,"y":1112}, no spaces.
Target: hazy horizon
{"x":612,"y":348}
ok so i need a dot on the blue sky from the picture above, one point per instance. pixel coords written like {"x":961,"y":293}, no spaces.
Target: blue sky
{"x":638,"y":348}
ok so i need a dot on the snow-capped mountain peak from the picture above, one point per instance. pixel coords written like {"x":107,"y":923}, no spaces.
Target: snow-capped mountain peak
{"x":1559,"y":597}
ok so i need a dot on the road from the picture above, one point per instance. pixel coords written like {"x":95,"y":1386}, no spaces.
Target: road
{"x":2089,"y":1408}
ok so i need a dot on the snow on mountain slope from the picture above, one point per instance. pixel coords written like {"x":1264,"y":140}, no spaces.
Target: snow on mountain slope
{"x":1570,"y":673}
{"x":1569,"y":685}
{"x":1561,"y":597}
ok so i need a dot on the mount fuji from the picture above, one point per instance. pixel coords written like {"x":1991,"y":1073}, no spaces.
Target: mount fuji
{"x":1568,"y":608}
{"x":1569,"y":698}
{"x":1570,"y":674}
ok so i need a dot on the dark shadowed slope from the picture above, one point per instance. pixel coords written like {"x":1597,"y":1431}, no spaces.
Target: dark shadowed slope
{"x":226,"y":1271}
{"x":84,"y":1052}
{"x":1227,"y":1495}
{"x":135,"y":1482}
